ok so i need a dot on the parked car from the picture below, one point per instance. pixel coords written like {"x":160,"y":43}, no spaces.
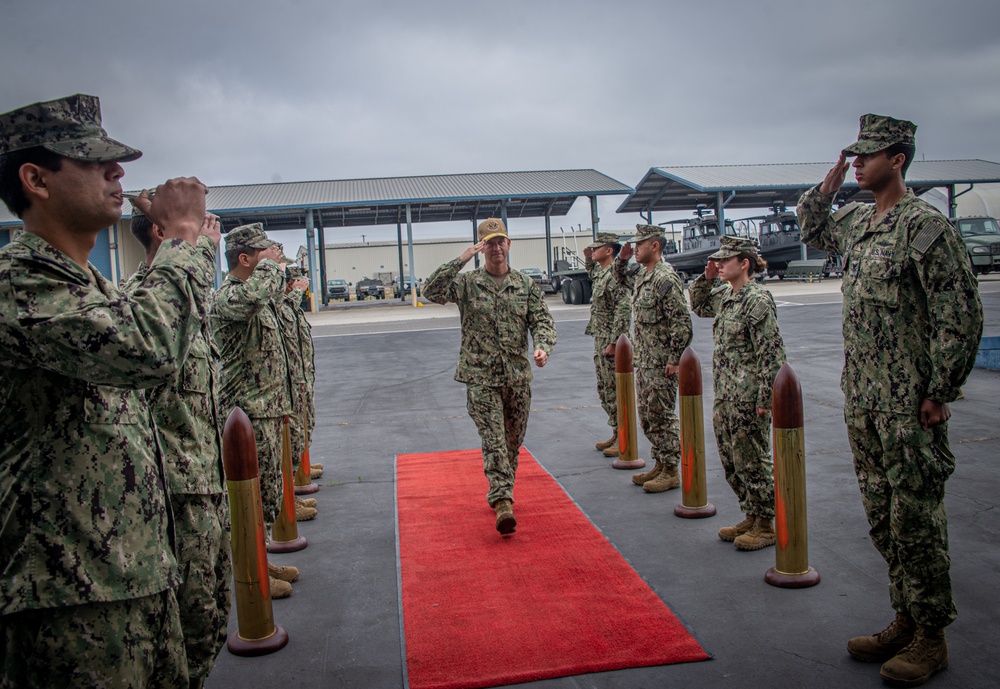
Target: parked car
{"x":981,"y":235}
{"x":398,"y":293}
{"x":338,"y":289}
{"x":538,"y":275}
{"x":369,"y":287}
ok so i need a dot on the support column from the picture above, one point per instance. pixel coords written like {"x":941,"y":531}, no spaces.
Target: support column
{"x":548,"y":245}
{"x":595,"y":221}
{"x":409,"y":245}
{"x":322,"y":259}
{"x":314,"y":278}
{"x":399,"y":248}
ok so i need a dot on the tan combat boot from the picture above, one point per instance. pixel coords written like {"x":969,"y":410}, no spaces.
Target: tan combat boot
{"x":667,"y":479}
{"x":640,"y":479}
{"x":315,"y":465}
{"x":611,"y":451}
{"x":506,"y":524}
{"x":729,"y":533}
{"x":305,"y":514}
{"x":923,"y":658}
{"x":305,"y":502}
{"x":885,"y":644}
{"x":760,"y":535}
{"x":605,"y":444}
{"x":279,"y":588}
{"x":286,"y":573}
{"x":315,"y":472}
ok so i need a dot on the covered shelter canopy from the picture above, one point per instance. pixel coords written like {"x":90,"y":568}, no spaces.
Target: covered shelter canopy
{"x":684,"y":188}
{"x":433,"y":198}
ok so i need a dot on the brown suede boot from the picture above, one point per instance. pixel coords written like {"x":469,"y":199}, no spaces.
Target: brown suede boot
{"x":305,"y":514}
{"x":305,"y":502}
{"x":760,"y":535}
{"x":923,"y":658}
{"x":279,"y":588}
{"x":315,"y":472}
{"x":605,"y":444}
{"x":883,"y":645}
{"x":611,"y":451}
{"x":640,"y":479}
{"x":286,"y":573}
{"x":667,"y":479}
{"x":729,"y":533}
{"x":506,"y":524}
{"x":315,"y":465}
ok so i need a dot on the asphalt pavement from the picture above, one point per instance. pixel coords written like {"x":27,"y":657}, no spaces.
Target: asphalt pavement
{"x":385,"y":387}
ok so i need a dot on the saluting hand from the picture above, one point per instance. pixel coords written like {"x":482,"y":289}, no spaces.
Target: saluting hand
{"x":626,"y":251}
{"x":212,"y":228}
{"x":472,"y":251}
{"x":835,"y":177}
{"x":712,"y":270}
{"x":177,"y":206}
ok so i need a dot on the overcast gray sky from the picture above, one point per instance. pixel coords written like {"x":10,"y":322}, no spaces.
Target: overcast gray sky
{"x":248,"y":91}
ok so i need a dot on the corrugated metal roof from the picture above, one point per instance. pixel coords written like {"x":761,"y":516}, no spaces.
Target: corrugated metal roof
{"x":683,"y":188}
{"x":379,"y":201}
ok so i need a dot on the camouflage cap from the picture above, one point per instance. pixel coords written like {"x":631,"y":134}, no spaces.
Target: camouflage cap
{"x":490,"y":228}
{"x":644,"y":232}
{"x":879,"y":132}
{"x":734,"y":246}
{"x":296,"y":272}
{"x":603,"y":239}
{"x":69,"y":127}
{"x":248,"y":237}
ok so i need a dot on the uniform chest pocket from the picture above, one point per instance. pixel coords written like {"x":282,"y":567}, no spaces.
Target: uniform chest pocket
{"x":107,"y":405}
{"x":518,"y":305}
{"x":646,"y":309}
{"x":878,"y":281}
{"x":732,"y":335}
{"x":270,"y":338}
{"x":196,"y":374}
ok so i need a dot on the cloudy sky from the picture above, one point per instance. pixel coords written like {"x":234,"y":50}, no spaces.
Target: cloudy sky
{"x":252,"y":91}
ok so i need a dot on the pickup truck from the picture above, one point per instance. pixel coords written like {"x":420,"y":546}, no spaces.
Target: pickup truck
{"x":338,"y":289}
{"x":405,"y":291}
{"x":981,"y":235}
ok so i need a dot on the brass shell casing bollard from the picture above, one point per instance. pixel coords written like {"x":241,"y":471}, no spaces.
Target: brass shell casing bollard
{"x":285,"y":531}
{"x":694,"y":493}
{"x":304,"y":484}
{"x":628,"y":457}
{"x":256,"y":634}
{"x":791,"y":569}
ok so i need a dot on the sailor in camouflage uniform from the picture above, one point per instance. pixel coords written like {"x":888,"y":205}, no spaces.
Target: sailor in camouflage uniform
{"x":498,"y":307}
{"x":747,"y":356}
{"x":609,"y":319}
{"x":288,"y":308}
{"x":189,"y":431}
{"x":254,"y":366}
{"x":912,"y":325}
{"x":88,"y":570}
{"x":662,"y":333}
{"x":295,"y":295}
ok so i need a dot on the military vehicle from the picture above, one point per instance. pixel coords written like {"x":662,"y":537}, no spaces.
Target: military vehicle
{"x":369,"y":287}
{"x":981,"y":235}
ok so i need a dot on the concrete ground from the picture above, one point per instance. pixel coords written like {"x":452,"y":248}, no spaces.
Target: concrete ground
{"x":385,"y":387}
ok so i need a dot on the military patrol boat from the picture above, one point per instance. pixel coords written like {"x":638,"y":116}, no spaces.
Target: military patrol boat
{"x":780,"y":240}
{"x":700,"y":237}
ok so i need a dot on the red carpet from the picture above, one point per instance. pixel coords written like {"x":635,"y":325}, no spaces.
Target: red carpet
{"x":553,"y":599}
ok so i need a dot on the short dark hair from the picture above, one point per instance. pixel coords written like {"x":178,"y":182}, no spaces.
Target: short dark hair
{"x":233,"y":255}
{"x":142,"y":228}
{"x":615,"y":248}
{"x":909,"y":150}
{"x":11,"y":189}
